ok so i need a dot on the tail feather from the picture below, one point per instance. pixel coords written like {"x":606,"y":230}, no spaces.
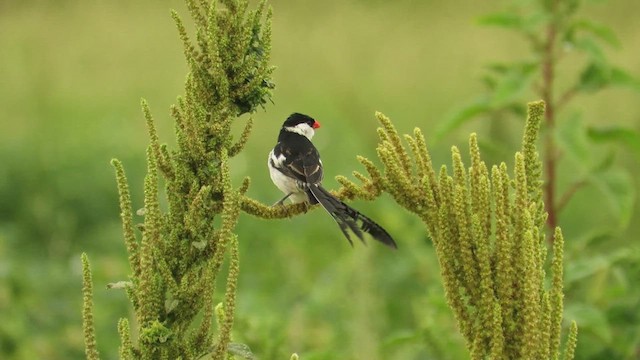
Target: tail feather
{"x":348,"y":217}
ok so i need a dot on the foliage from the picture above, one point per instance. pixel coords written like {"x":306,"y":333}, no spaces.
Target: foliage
{"x":181,"y":252}
{"x":70,"y":104}
{"x":555,"y":32}
{"x":490,"y":243}
{"x":568,"y":62}
{"x":175,"y":264}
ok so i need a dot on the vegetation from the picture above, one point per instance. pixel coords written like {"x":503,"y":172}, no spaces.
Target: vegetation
{"x":490,"y":243}
{"x":555,"y":32}
{"x":301,"y":287}
{"x":175,"y":264}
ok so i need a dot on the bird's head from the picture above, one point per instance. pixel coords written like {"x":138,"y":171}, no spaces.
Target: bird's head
{"x":301,"y":124}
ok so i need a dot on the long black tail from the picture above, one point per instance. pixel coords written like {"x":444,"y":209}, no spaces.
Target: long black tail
{"x":348,"y":217}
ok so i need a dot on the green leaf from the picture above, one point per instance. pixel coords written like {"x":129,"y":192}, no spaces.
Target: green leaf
{"x":508,"y":85}
{"x":618,"y":135}
{"x":606,"y":162}
{"x":599,"y":31}
{"x":591,"y":48}
{"x":528,"y":25}
{"x":495,"y":71}
{"x":498,"y":67}
{"x":490,"y":81}
{"x":619,"y":193}
{"x":577,"y":270}
{"x":598,"y":75}
{"x":460,"y":117}
{"x":593,"y":165}
{"x":517,"y":109}
{"x":567,"y":7}
{"x":505,"y":20}
{"x":590,"y":319}
{"x":401,"y":338}
{"x":516,"y":79}
{"x":621,"y":77}
{"x":571,"y":137}
{"x":594,"y":77}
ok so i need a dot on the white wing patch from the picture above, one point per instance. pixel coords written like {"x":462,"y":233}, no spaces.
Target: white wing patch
{"x":286,"y":184}
{"x":277,"y":160}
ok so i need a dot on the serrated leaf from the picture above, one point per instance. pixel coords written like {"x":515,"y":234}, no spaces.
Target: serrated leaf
{"x":457,"y":119}
{"x":618,"y":135}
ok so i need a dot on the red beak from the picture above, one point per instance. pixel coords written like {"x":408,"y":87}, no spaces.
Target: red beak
{"x":316,"y":124}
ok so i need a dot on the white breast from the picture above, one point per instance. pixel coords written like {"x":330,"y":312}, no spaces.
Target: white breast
{"x":286,"y":184}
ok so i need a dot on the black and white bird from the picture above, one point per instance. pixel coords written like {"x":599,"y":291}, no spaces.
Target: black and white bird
{"x":296,"y":169}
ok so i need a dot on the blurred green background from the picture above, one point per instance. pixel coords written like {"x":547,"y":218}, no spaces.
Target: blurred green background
{"x":71,"y":77}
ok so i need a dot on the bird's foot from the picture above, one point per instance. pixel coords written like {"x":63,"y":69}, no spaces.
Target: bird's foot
{"x":281,"y":201}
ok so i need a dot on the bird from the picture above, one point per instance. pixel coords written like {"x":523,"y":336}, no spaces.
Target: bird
{"x":296,"y":169}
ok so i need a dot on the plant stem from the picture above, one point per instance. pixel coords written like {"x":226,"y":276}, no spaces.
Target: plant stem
{"x":564,"y":199}
{"x":548,"y":58}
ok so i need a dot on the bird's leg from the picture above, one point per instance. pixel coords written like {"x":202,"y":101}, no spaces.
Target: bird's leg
{"x":281,"y":201}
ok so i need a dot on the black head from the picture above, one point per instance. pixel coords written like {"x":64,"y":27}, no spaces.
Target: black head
{"x":297,"y":119}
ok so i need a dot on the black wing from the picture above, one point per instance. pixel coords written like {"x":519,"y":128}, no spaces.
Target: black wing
{"x":302,"y":160}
